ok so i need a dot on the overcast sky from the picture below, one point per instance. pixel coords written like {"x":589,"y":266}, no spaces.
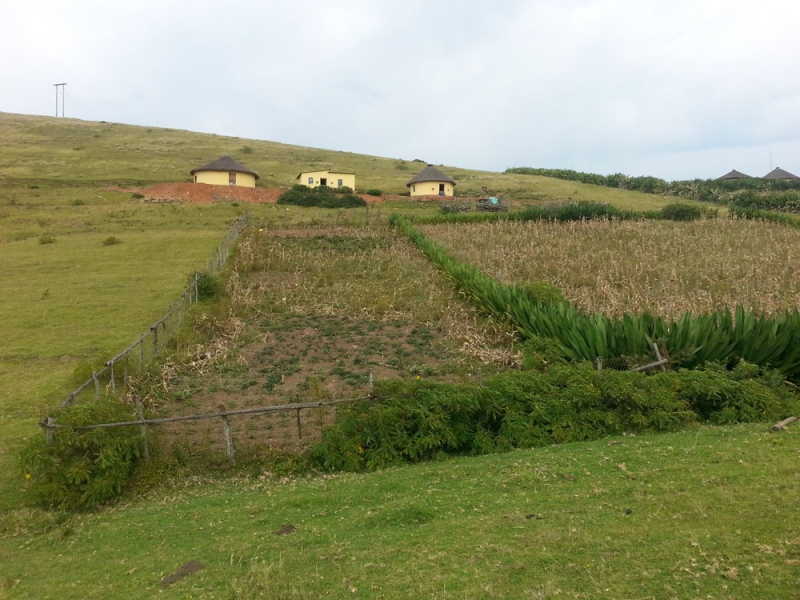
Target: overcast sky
{"x":673,"y":88}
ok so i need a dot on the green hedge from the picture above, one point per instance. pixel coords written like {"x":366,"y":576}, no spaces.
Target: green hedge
{"x":419,"y":420}
{"x":82,"y":468}
{"x":321,"y":197}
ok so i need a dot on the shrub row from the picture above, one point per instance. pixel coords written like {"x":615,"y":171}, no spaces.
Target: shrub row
{"x":787,"y":201}
{"x":418,"y":420}
{"x":691,"y":340}
{"x":577,"y":211}
{"x":752,"y":192}
{"x":763,"y":215}
{"x":321,"y":196}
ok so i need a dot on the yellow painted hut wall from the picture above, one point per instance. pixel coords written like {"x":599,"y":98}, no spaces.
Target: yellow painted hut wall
{"x":430,"y":188}
{"x":313,"y":179}
{"x":222,"y":178}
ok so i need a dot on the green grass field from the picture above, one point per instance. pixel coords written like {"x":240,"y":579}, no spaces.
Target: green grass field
{"x":713,"y":510}
{"x":707,"y":513}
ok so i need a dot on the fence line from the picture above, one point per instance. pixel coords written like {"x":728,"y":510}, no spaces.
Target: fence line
{"x":143,"y":349}
{"x":49,"y":424}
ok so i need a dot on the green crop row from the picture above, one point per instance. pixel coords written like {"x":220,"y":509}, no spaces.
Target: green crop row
{"x":691,"y":340}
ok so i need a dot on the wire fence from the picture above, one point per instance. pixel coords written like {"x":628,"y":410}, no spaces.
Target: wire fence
{"x":151,"y":343}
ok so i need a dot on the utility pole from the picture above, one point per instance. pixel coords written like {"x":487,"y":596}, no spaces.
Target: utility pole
{"x":61,"y":85}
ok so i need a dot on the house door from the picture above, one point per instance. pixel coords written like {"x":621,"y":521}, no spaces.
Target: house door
{"x":231,"y":178}
{"x":323,"y":181}
{"x":441,"y":189}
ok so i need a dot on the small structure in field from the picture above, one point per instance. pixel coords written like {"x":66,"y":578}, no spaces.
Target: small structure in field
{"x":431,"y":182}
{"x":779,"y":173}
{"x":733,"y":175}
{"x":225,"y":171}
{"x":335,"y":179}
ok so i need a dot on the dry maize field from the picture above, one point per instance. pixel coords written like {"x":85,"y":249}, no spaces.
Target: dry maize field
{"x":662,"y":267}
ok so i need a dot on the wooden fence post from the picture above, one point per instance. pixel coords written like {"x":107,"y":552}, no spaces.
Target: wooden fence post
{"x":96,"y":385}
{"x":371,"y":382}
{"x":155,"y":340}
{"x":125,"y":377}
{"x":299,"y":428}
{"x":140,"y":415}
{"x":226,"y":430}
{"x":49,"y":431}
{"x":658,"y":356}
{"x":113,"y":382}
{"x":599,"y":363}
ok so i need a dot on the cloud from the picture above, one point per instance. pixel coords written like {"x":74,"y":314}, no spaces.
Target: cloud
{"x":661,"y":87}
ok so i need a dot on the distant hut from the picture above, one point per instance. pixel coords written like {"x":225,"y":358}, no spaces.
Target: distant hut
{"x":779,"y":173}
{"x":335,"y":179}
{"x":431,"y":182}
{"x":225,"y":171}
{"x":733,"y":175}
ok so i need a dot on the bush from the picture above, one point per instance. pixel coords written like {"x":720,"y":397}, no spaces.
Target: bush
{"x":342,"y":190}
{"x":418,"y":420}
{"x":207,"y":284}
{"x":321,"y":197}
{"x":47,"y":239}
{"x":374,"y":192}
{"x":678,"y":211}
{"x":247,"y":150}
{"x":82,"y":468}
{"x":137,"y":196}
{"x":111,"y":241}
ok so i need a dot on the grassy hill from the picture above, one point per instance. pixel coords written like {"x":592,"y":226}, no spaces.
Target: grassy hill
{"x":539,"y":524}
{"x":62,"y":151}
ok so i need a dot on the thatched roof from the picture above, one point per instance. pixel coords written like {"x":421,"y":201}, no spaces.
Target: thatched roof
{"x":733,"y":175}
{"x":224,"y":163}
{"x":779,"y":173}
{"x":430,"y":173}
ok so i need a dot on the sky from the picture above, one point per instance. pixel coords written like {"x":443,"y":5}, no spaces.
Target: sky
{"x":677,"y":89}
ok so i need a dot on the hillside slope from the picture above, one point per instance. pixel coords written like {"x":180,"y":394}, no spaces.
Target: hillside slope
{"x":70,"y":150}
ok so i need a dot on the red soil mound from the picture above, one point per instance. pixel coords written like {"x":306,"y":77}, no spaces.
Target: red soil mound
{"x":203,"y":193}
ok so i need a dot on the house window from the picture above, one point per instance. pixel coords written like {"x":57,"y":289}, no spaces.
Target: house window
{"x":413,"y":188}
{"x":310,"y":181}
{"x":340,"y":183}
{"x":231,"y":178}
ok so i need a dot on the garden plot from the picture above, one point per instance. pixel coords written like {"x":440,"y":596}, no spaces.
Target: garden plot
{"x":313,"y":315}
{"x":663,"y":267}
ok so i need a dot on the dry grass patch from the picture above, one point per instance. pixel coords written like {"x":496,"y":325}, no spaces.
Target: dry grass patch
{"x":662,"y":267}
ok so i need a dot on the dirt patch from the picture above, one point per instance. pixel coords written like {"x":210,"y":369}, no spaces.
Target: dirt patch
{"x":190,"y":567}
{"x":300,"y":359}
{"x":204,"y":193}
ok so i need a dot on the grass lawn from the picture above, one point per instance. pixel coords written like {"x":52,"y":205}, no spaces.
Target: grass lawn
{"x":707,"y":513}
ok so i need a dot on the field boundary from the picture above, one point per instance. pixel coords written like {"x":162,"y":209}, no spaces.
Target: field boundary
{"x":50,"y":426}
{"x":147,"y":347}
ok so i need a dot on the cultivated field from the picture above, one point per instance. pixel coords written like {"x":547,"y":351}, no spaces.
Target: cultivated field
{"x":662,"y":267}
